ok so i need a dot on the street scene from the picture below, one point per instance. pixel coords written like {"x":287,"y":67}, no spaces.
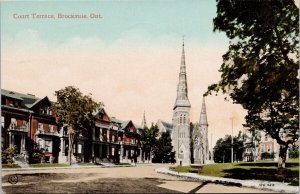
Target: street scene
{"x":139,"y":179}
{"x":150,"y":97}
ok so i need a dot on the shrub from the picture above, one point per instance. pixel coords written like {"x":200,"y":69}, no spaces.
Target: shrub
{"x":8,"y":155}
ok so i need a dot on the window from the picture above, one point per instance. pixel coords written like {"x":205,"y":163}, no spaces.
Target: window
{"x":184,"y":119}
{"x":13,"y":123}
{"x":112,"y":151}
{"x":51,"y":129}
{"x":180,"y":119}
{"x":79,"y":150}
{"x":2,"y":121}
{"x":48,"y":146}
{"x":40,"y":126}
{"x":113,"y":138}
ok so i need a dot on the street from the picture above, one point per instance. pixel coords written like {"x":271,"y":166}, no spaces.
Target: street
{"x":139,"y":179}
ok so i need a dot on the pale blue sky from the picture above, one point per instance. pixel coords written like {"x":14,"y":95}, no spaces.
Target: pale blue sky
{"x":190,"y":18}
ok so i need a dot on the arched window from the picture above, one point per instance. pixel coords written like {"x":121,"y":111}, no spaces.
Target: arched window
{"x":184,"y":119}
{"x":180,"y":120}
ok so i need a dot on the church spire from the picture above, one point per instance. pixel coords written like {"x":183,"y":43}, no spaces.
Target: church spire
{"x":203,"y":115}
{"x":144,"y":124}
{"x":182,"y":92}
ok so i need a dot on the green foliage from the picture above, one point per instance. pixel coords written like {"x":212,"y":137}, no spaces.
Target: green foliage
{"x":37,"y":154}
{"x":294,"y":152}
{"x":222,"y":149}
{"x":259,"y":70}
{"x":259,"y":170}
{"x":162,"y":150}
{"x":8,"y":155}
{"x":10,"y":166}
{"x":148,"y":137}
{"x":75,"y":111}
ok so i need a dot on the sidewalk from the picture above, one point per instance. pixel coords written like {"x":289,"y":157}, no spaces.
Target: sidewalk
{"x":258,"y":184}
{"x":65,"y":167}
{"x":108,"y":165}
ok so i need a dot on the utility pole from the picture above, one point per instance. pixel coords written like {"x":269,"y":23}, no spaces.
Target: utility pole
{"x":231,"y":139}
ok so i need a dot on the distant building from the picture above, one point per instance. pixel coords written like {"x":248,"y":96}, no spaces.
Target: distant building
{"x":264,"y":147}
{"x":164,"y":127}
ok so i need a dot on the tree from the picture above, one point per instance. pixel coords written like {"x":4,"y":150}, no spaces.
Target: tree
{"x":222,"y":149}
{"x":148,"y":138}
{"x":74,"y":111}
{"x":162,"y":150}
{"x":259,"y":70}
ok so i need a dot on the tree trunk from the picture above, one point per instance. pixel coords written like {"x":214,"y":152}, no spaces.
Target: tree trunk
{"x":282,"y":156}
{"x":71,"y":142}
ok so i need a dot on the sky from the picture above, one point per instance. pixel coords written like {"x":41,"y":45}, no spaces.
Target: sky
{"x":128,"y":58}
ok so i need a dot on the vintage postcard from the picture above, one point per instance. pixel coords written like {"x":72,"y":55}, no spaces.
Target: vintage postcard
{"x":157,"y":96}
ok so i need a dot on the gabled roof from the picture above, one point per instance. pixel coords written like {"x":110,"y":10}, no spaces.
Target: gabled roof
{"x":27,"y":99}
{"x":38,"y":101}
{"x":122,"y":123}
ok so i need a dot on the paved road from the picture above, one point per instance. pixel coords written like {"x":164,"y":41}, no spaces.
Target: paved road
{"x":140,"y":179}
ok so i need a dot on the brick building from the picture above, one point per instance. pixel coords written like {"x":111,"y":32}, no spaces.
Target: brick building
{"x":27,"y":120}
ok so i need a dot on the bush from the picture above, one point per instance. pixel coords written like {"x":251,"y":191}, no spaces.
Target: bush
{"x":8,"y":155}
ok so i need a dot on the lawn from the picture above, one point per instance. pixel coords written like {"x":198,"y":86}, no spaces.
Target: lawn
{"x":47,"y":165}
{"x":10,"y":166}
{"x":87,"y":164}
{"x":260,"y":170}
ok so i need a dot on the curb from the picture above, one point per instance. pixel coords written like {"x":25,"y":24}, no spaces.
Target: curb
{"x":257,"y":184}
{"x":57,"y":168}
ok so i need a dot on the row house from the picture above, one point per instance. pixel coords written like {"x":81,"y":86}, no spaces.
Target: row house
{"x":28,"y":122}
{"x":110,"y":140}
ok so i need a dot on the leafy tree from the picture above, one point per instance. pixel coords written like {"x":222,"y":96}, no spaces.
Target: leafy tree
{"x":222,"y":149}
{"x":149,"y":138}
{"x":259,"y":70}
{"x":162,"y":150}
{"x":74,"y":111}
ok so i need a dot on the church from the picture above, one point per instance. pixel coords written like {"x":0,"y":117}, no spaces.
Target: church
{"x":190,"y":141}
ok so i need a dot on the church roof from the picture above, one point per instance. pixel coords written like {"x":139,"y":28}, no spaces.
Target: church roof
{"x":182,"y":91}
{"x":203,"y":115}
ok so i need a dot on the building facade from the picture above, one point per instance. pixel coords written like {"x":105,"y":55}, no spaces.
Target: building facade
{"x":200,"y":138}
{"x":29,"y":122}
{"x":181,"y":118}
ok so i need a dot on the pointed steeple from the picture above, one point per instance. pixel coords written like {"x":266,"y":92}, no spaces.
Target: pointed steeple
{"x":182,"y":92}
{"x":203,"y":115}
{"x":144,"y":124}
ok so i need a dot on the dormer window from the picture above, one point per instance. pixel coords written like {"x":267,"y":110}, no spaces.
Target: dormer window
{"x":45,"y":110}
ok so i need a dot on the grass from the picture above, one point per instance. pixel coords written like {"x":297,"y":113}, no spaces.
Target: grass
{"x":87,"y":164}
{"x":10,"y":166}
{"x":258,"y":170}
{"x":180,"y":168}
{"x":47,"y":165}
